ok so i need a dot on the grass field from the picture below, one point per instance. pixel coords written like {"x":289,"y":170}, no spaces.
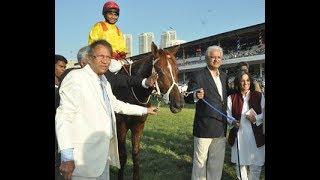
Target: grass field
{"x":167,"y":148}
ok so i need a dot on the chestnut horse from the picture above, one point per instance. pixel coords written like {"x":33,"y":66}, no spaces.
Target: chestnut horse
{"x":163,"y":62}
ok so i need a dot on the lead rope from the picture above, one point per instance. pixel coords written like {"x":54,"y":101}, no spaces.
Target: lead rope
{"x":238,"y":154}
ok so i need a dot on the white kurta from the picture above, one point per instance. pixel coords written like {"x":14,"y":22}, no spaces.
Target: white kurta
{"x":248,"y":151}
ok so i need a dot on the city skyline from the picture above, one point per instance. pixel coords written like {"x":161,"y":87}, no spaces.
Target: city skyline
{"x":168,"y":38}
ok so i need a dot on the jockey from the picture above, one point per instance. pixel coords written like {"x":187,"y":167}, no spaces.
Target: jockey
{"x":107,"y":30}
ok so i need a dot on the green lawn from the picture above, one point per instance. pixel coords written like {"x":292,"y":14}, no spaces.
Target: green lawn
{"x":167,"y":148}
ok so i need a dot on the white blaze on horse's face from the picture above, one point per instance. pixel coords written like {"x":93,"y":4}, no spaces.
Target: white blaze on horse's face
{"x":166,"y":96}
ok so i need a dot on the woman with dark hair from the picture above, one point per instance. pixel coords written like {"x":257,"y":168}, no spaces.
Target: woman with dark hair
{"x":247,"y":105}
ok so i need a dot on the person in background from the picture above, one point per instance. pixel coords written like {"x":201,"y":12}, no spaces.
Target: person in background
{"x":60,"y":67}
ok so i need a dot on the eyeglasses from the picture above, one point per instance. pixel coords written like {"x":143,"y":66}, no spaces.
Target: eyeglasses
{"x":216,"y":58}
{"x":101,"y":57}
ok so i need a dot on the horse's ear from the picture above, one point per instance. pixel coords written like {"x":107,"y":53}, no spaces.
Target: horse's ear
{"x":154,"y":50}
{"x":174,"y":50}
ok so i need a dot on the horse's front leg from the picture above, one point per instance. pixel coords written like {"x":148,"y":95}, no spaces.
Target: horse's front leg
{"x":122,"y":130}
{"x":136,"y":138}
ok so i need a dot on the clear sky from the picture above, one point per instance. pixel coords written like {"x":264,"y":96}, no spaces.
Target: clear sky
{"x":192,"y":19}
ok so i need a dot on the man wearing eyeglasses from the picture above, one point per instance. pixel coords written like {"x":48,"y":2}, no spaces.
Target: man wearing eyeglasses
{"x":85,"y":120}
{"x":210,"y":127}
{"x":107,"y":30}
{"x":115,"y":81}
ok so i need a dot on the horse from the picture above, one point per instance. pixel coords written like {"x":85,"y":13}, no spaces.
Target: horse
{"x":162,"y":62}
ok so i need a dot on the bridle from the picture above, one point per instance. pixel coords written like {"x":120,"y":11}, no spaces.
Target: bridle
{"x":164,"y":96}
{"x":160,"y":96}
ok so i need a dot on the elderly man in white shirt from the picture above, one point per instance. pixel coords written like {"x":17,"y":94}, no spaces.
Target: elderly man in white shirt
{"x":85,"y":119}
{"x":210,"y":127}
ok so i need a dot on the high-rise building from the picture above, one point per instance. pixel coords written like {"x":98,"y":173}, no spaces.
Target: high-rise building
{"x":166,"y":37}
{"x":145,"y":40}
{"x":129,"y":47}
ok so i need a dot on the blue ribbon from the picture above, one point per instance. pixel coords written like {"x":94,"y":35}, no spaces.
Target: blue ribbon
{"x":228,"y":117}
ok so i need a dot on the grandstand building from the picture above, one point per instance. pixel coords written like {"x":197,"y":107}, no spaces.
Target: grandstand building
{"x":245,"y":44}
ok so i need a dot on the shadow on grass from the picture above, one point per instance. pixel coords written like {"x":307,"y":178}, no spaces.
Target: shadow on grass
{"x":163,"y":156}
{"x":168,"y":156}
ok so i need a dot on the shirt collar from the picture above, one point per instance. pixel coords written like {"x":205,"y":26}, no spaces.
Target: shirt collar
{"x":92,"y":74}
{"x":218,"y":72}
{"x":99,"y":78}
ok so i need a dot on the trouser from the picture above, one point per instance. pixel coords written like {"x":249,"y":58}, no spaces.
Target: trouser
{"x":253,"y":175}
{"x":208,"y":158}
{"x":104,"y":176}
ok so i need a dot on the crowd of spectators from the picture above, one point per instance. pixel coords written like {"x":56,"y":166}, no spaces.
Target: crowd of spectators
{"x":229,"y":54}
